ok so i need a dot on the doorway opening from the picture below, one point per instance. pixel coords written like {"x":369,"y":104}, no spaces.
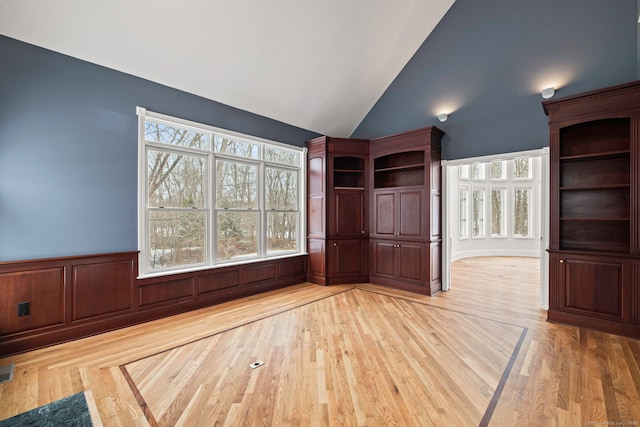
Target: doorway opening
{"x":497,"y":206}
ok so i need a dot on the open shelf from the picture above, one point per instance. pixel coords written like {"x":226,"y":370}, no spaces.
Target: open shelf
{"x":595,"y":235}
{"x":601,"y":203}
{"x":399,"y":170}
{"x":595,"y":138}
{"x":595,"y":186}
{"x":597,"y":172}
{"x":348,"y":172}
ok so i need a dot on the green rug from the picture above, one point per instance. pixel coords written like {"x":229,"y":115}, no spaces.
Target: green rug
{"x":70,"y":411}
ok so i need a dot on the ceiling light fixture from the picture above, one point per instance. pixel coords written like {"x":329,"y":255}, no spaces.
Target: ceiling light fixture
{"x":443,"y":117}
{"x":548,"y":92}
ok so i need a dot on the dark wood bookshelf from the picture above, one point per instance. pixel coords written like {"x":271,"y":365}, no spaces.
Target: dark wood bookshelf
{"x":594,"y":247}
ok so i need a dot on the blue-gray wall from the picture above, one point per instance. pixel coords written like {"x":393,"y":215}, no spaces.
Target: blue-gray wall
{"x":487,"y":59}
{"x":68,"y":141}
{"x":68,"y":150}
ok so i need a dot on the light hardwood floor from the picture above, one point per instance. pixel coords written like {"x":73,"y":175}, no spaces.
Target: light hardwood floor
{"x":481,"y":354}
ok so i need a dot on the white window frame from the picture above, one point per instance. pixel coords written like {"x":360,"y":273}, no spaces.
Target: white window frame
{"x":210,"y":205}
{"x":464,"y":172}
{"x":463,"y":231}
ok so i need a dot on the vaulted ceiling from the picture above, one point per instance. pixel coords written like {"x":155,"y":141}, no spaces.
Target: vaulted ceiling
{"x":318,"y":65}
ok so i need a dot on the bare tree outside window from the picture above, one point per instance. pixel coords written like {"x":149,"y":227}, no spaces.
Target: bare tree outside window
{"x":252,"y":186}
{"x":498,"y":170}
{"x":176,"y":195}
{"x":281,"y":198}
{"x":283,"y":157}
{"x":235,"y":147}
{"x":477,"y":171}
{"x":521,"y":212}
{"x":164,"y":133}
{"x":477,"y":218}
{"x":522,"y":168}
{"x":497,"y":212}
{"x":236,"y":209}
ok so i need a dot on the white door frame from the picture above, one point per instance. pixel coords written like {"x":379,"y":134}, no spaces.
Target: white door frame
{"x":448,"y":192}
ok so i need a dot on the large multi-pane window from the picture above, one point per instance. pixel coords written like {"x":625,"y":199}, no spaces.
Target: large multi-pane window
{"x":209,"y":196}
{"x":503,"y":193}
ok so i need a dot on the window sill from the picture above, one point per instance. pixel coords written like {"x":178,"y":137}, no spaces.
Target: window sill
{"x":216,"y":266}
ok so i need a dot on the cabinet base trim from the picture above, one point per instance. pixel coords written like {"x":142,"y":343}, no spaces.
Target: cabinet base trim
{"x":611,"y":327}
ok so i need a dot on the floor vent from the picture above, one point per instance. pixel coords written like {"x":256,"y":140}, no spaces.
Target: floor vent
{"x":6,"y":373}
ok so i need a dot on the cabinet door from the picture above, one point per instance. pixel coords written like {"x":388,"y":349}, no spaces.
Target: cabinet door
{"x":348,"y":258}
{"x":384,"y":213}
{"x":348,"y":219}
{"x":410,"y":215}
{"x":596,"y":288}
{"x":411,"y":262}
{"x":556,"y":281}
{"x":399,"y":213}
{"x":384,"y":258}
{"x":316,"y":261}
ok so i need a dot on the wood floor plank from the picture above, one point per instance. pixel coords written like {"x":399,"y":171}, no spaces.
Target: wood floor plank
{"x":334,"y":356}
{"x":439,"y":378}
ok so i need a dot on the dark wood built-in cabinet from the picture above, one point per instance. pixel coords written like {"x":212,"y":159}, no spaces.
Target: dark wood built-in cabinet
{"x":594,"y":247}
{"x":405,"y":211}
{"x":374,"y":210}
{"x":337,"y":210}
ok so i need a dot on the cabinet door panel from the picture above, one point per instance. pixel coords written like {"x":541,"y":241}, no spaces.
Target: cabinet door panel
{"x":384,"y":259}
{"x":348,"y":219}
{"x":436,"y":229}
{"x":410,"y":207}
{"x":384,"y":213}
{"x":316,"y":173}
{"x":315,"y":213}
{"x":348,"y":257}
{"x":411,"y":261}
{"x":317,"y":271}
{"x":635,"y":293}
{"x":595,"y":287}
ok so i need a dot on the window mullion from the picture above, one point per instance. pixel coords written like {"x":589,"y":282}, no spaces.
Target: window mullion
{"x":262,"y":217}
{"x":211,"y":203}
